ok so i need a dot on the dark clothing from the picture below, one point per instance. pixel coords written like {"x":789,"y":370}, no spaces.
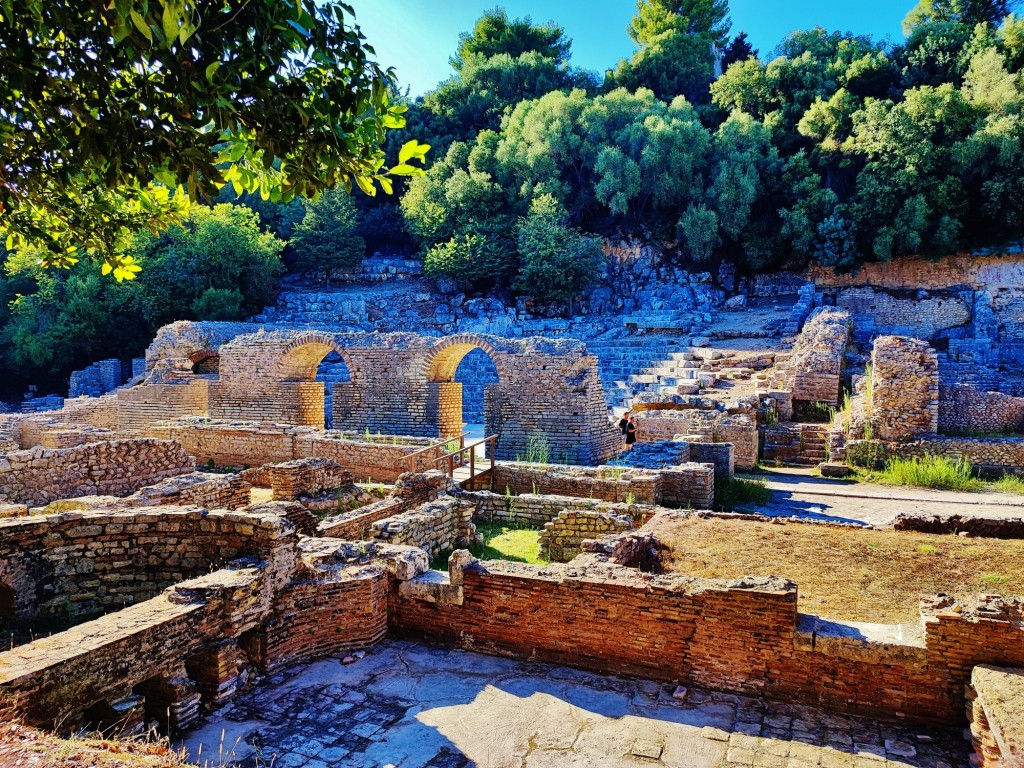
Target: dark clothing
{"x":623,"y":425}
{"x":630,"y":433}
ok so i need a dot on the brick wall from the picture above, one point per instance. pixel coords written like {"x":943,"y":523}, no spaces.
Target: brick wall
{"x":201,"y":489}
{"x":905,"y":396}
{"x":995,"y":709}
{"x":140,"y":407}
{"x":536,"y":510}
{"x":812,"y":373}
{"x":743,"y":636}
{"x":117,"y":467}
{"x":304,"y":477}
{"x":433,"y":527}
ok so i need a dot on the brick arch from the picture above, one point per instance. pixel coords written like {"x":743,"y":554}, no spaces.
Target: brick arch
{"x":205,"y":361}
{"x":303,"y":354}
{"x":445,"y":356}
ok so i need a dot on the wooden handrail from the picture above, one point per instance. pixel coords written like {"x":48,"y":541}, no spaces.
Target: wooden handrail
{"x":434,"y":446}
{"x":449,"y":458}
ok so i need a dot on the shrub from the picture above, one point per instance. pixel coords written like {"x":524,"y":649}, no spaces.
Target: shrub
{"x":736,"y":492}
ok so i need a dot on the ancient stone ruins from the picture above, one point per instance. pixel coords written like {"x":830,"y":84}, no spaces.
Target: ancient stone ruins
{"x":265,"y":495}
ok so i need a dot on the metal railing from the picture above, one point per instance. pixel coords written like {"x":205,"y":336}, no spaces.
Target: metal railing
{"x":438,"y":448}
{"x":454,"y":459}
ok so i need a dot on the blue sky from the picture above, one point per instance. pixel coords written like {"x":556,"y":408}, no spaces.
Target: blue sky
{"x":418,"y":36}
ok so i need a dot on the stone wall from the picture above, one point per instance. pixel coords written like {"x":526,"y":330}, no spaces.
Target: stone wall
{"x":964,"y":409}
{"x":405,"y":384}
{"x":995,"y":709}
{"x":433,"y":527}
{"x":535,"y":510}
{"x":252,"y":444}
{"x":562,"y":537}
{"x":78,"y":563}
{"x":687,"y":485}
{"x":714,"y":426}
{"x":812,"y":373}
{"x":965,"y":523}
{"x":988,"y":455}
{"x":742,"y":636}
{"x":602,"y":483}
{"x":97,"y":379}
{"x":201,"y":489}
{"x":304,"y":477}
{"x":117,"y":468}
{"x":905,"y":388}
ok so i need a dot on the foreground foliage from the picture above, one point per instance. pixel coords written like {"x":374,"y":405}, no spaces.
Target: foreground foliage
{"x":107,"y":108}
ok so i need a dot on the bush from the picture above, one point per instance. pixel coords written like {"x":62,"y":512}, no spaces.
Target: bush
{"x":219,"y":304}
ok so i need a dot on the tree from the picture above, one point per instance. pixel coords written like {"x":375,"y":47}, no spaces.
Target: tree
{"x":654,"y":18}
{"x":739,"y":49}
{"x":326,"y":239}
{"x":106,"y":108}
{"x":968,"y":12}
{"x":494,"y":34}
{"x":558,"y":261}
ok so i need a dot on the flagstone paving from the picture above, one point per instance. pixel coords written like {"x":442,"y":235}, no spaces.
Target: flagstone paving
{"x":410,"y":706}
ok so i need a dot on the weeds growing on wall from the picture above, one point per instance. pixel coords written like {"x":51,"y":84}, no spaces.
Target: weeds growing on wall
{"x":538,"y":448}
{"x":771,"y":416}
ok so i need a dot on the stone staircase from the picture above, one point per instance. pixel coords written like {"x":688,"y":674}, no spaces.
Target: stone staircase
{"x":635,"y":364}
{"x":796,"y":445}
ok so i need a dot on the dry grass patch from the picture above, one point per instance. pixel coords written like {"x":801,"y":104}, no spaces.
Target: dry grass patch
{"x":843,"y":573}
{"x":31,"y":748}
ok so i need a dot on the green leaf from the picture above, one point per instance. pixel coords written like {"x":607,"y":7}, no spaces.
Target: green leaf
{"x":407,"y":152}
{"x":211,"y":71}
{"x":406,"y":170}
{"x":366,"y":185}
{"x":140,"y":24}
{"x":385,"y":184}
{"x":170,"y":23}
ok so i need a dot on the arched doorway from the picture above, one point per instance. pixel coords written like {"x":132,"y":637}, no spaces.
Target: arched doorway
{"x":446,"y":392}
{"x":206,"y":363}
{"x":315,"y":365}
{"x":475,"y":372}
{"x":332,"y":370}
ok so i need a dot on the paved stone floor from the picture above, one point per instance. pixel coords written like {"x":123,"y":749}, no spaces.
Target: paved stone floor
{"x":798,"y":492}
{"x":411,"y":706}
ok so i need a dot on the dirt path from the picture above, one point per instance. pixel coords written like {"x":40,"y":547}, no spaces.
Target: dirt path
{"x":797,"y":492}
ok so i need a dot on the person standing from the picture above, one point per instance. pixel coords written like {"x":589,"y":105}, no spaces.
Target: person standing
{"x":624,"y":428}
{"x":630,"y":432}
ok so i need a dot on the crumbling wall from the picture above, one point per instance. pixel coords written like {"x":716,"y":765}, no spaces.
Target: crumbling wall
{"x":117,"y":467}
{"x":304,"y":477}
{"x":603,"y":483}
{"x":905,"y":388}
{"x":562,"y":537}
{"x":433,"y":527}
{"x":812,"y":373}
{"x":988,"y":455}
{"x":995,"y":709}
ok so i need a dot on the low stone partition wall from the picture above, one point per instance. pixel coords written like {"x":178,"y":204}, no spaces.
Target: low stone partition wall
{"x":118,"y":467}
{"x":201,"y":489}
{"x":687,"y":485}
{"x":434,"y":527}
{"x":80,"y":563}
{"x":988,"y":455}
{"x":358,"y":524}
{"x":304,"y":477}
{"x":995,"y":709}
{"x":535,"y":510}
{"x":964,"y":409}
{"x":742,"y":635}
{"x":972,"y":525}
{"x":633,"y":549}
{"x":252,"y":444}
{"x":711,"y":426}
{"x":561,"y":539}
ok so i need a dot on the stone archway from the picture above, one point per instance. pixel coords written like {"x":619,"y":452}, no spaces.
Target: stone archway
{"x":205,"y":363}
{"x":446,"y":394}
{"x":316,"y":359}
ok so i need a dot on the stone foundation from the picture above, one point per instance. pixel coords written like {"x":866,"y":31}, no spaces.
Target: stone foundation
{"x":963,"y":409}
{"x":988,"y":455}
{"x":995,"y":709}
{"x":710,"y":426}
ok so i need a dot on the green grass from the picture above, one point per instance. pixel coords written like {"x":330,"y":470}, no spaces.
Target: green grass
{"x":927,"y":549}
{"x":1009,"y":484}
{"x":937,"y":472}
{"x":501,"y":542}
{"x":737,"y":492}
